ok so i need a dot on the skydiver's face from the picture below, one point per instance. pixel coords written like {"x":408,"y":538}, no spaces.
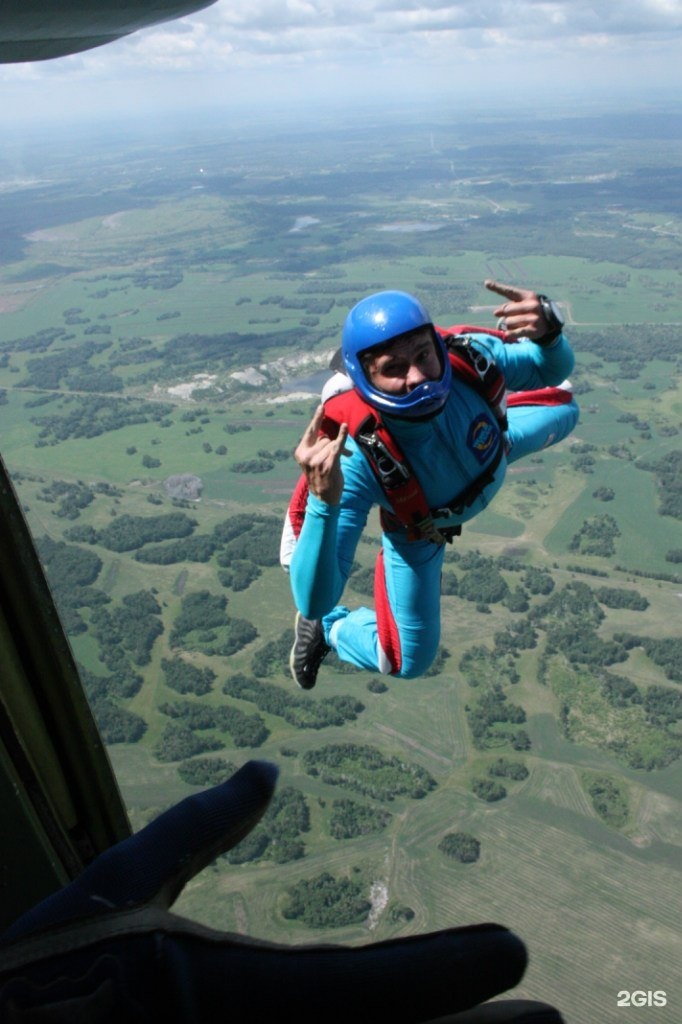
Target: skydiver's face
{"x":402,"y":366}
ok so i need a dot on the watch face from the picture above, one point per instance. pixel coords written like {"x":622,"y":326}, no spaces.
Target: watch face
{"x":556,"y":312}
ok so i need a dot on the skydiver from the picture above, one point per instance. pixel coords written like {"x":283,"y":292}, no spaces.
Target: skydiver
{"x":454,"y":442}
{"x":105,"y":948}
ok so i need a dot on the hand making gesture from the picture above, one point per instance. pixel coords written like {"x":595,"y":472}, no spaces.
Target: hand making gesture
{"x":522,"y":312}
{"x":319,"y":457}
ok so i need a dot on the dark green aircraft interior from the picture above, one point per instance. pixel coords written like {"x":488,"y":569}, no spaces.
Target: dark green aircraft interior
{"x":60,"y":801}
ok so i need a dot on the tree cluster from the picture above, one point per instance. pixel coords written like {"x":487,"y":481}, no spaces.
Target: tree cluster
{"x":488,"y":790}
{"x":253,"y":538}
{"x":70,"y":498}
{"x":239,"y":575}
{"x":70,"y":571}
{"x":49,"y":371}
{"x":597,"y":536}
{"x":206,"y":771}
{"x":507,"y":769}
{"x":574,"y":603}
{"x":491,"y":710}
{"x":127,"y":532}
{"x":130,"y":627}
{"x":609,"y":799}
{"x":178,"y":742}
{"x":460,"y":846}
{"x":668,"y":471}
{"x":297,"y":711}
{"x":184,"y":677}
{"x":366,"y":770}
{"x":96,"y":415}
{"x":269,"y":659}
{"x":665,"y":652}
{"x":663,"y":706}
{"x":620,"y":597}
{"x":252,"y":466}
{"x":350,"y":819}
{"x":192,"y":549}
{"x":246,"y":730}
{"x":327,"y":902}
{"x":203,"y":624}
{"x":619,"y":691}
{"x":584,"y":647}
{"x":116,"y":724}
{"x":484,"y":585}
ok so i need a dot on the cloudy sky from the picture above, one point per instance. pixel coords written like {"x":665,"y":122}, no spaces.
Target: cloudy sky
{"x":497,"y":52}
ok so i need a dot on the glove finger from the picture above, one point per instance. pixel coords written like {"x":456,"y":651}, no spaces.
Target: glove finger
{"x":156,"y":862}
{"x":506,"y":1011}
{"x":166,"y":968}
{"x":403,"y":980}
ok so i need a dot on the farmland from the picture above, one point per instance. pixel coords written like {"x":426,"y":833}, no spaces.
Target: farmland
{"x":175,"y":322}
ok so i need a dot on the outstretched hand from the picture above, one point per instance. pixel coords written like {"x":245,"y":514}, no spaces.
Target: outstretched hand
{"x":522,"y":312}
{"x":106,"y":948}
{"x":319,"y":456}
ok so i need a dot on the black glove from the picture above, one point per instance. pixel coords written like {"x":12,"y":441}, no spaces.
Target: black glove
{"x":106,"y":949}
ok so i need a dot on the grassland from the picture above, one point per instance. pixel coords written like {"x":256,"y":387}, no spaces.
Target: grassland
{"x":594,"y":901}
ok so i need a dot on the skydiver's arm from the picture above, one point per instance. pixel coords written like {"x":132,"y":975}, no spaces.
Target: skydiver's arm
{"x":336,"y":513}
{"x":323,"y":556}
{"x":527,"y":366}
{"x":523,"y":312}
{"x":319,"y":456}
{"x":530,"y":364}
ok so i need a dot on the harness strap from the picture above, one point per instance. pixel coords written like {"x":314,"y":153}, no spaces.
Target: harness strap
{"x":390,"y":466}
{"x":395,"y":475}
{"x":390,"y":522}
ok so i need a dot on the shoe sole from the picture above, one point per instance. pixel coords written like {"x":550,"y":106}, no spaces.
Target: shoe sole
{"x":291,"y":655}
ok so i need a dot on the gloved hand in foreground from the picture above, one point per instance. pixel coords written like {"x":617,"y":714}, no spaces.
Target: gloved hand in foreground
{"x":106,"y":949}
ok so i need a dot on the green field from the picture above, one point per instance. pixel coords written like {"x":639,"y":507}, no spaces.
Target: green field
{"x":120,"y":310}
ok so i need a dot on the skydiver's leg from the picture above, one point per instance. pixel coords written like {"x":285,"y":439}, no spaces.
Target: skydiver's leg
{"x":534,"y":427}
{"x":401,"y":636}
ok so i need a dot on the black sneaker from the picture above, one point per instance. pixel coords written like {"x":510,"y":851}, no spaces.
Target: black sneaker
{"x":309,"y":650}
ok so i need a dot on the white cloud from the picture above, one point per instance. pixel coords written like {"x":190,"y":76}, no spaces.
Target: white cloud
{"x":381,"y":45}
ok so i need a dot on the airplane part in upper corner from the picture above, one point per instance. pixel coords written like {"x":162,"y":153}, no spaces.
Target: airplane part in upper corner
{"x":33,"y":30}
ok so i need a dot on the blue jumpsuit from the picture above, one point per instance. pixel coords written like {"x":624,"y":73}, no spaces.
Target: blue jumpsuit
{"x":446,"y":453}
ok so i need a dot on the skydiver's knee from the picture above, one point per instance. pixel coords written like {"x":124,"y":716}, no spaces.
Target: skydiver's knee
{"x":574,"y":413}
{"x":567,"y":417}
{"x":417,"y":660}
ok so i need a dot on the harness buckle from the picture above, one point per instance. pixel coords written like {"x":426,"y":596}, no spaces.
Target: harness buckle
{"x":390,"y":471}
{"x":426,"y":529}
{"x":479,"y":360}
{"x":445,"y":511}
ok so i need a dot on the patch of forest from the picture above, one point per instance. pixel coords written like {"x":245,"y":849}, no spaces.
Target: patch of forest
{"x":366,"y":770}
{"x":299,"y":711}
{"x":327,"y":902}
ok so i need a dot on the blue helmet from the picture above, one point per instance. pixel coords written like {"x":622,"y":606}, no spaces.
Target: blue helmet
{"x":373,"y":323}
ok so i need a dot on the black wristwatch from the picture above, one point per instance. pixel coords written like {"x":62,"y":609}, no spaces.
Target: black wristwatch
{"x":554,"y":319}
